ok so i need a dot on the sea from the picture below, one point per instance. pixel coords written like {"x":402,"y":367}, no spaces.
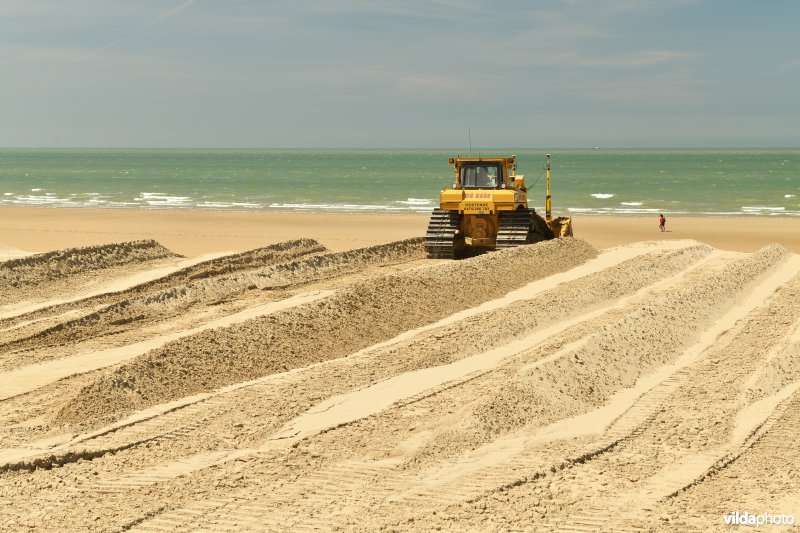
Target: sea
{"x":599,"y":181}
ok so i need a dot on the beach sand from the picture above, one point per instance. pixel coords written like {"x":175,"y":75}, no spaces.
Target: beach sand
{"x":192,"y":233}
{"x":316,"y":371}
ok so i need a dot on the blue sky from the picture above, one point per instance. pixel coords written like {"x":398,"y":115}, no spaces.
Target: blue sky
{"x":358,"y":73}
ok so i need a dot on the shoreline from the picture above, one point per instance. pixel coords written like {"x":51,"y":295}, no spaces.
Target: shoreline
{"x":194,"y":232}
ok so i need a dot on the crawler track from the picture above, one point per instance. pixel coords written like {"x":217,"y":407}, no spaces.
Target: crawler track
{"x":515,"y":228}
{"x":441,"y":239}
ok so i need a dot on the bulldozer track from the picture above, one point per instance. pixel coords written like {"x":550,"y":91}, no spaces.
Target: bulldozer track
{"x":520,"y":467}
{"x":183,"y":422}
{"x":619,"y":511}
{"x":786,"y":412}
{"x":332,"y":485}
{"x":614,"y":512}
{"x":440,"y":237}
{"x":682,"y":401}
{"x":176,"y":424}
{"x":515,"y":227}
{"x":297,"y":507}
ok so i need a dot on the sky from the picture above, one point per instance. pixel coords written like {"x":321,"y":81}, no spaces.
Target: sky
{"x":399,"y":74}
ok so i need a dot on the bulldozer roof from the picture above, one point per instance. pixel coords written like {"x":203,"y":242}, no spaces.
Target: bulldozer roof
{"x":504,"y":160}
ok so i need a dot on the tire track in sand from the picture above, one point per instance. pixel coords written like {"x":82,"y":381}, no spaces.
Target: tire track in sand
{"x":482,"y":475}
{"x":173,"y":425}
{"x":181,"y":416}
{"x":655,"y":479}
{"x":355,"y":316}
{"x":494,"y":467}
{"x":238,"y":512}
{"x":760,"y":477}
{"x":340,"y":410}
{"x":332,"y":488}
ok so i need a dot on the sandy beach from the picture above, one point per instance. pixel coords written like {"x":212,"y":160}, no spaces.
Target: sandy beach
{"x":214,"y":371}
{"x":192,"y":233}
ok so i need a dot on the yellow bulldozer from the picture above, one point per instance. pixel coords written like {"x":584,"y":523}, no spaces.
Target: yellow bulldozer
{"x":487,"y":209}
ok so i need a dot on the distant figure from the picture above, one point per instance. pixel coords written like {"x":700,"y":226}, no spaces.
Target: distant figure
{"x":662,"y":222}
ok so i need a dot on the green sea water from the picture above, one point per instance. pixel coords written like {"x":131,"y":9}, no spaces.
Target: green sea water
{"x":757,"y":182}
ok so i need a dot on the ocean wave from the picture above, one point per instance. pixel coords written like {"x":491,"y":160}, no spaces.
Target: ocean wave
{"x":227,"y":205}
{"x":648,"y":211}
{"x":617,"y":211}
{"x":124,"y":205}
{"x":155,"y":199}
{"x":34,"y":199}
{"x":416,"y":201}
{"x":602,"y":195}
{"x":336,"y":207}
{"x":150,"y":200}
{"x":756,"y":208}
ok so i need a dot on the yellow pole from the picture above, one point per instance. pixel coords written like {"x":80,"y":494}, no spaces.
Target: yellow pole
{"x":548,"y":202}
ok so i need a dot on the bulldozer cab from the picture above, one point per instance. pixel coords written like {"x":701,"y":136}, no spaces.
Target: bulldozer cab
{"x":481,"y":175}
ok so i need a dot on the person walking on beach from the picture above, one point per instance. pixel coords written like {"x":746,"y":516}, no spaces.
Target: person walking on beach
{"x":662,"y":222}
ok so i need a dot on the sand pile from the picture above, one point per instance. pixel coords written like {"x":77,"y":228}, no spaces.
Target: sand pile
{"x":236,"y":263}
{"x":649,"y":387}
{"x":683,"y":465}
{"x":46,"y":267}
{"x":253,"y":259}
{"x":782,"y":370}
{"x":280,"y":266}
{"x":55,"y":273}
{"x":497,"y":327}
{"x":355,"y":317}
{"x":579,"y":378}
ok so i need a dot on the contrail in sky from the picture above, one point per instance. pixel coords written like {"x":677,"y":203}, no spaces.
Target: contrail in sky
{"x":156,"y":20}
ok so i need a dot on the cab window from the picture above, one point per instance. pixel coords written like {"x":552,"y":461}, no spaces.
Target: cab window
{"x":480,"y":176}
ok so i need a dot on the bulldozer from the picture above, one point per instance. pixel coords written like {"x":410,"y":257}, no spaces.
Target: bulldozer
{"x":487,"y":209}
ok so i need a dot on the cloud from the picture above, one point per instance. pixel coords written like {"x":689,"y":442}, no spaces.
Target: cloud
{"x":150,"y":24}
{"x":638,"y":60}
{"x":791,"y":64}
{"x":439,"y":9}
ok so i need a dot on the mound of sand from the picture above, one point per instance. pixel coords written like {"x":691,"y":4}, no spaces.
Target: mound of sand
{"x":280,"y":266}
{"x":60,"y":272}
{"x":106,"y":300}
{"x":653,"y":387}
{"x":497,"y":327}
{"x":46,"y":267}
{"x":782,"y":370}
{"x":353,"y":318}
{"x":580,"y":378}
{"x":235,"y":263}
